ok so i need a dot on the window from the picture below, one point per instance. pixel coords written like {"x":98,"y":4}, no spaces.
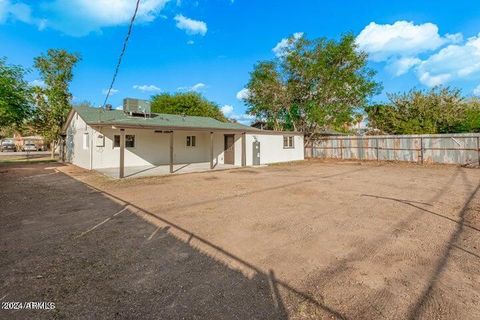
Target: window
{"x":100,"y":142}
{"x":191,"y":141}
{"x":86,"y":141}
{"x":116,"y":141}
{"x":288,"y":142}
{"x":129,"y":141}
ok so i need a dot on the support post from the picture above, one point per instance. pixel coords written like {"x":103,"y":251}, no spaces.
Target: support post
{"x":122,"y":154}
{"x":244,"y":149}
{"x":90,"y":143}
{"x":171,"y":151}
{"x":421,"y":149}
{"x":211,"y":150}
{"x":63,"y":142}
{"x":376,"y":147}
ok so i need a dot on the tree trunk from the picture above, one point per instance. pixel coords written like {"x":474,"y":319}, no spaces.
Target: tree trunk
{"x":52,"y":146}
{"x":309,"y":138}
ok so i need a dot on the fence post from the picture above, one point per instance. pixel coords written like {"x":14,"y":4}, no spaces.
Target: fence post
{"x":341,"y":149}
{"x":478,"y":150}
{"x":311,"y":141}
{"x":421,"y":148}
{"x":376,"y":147}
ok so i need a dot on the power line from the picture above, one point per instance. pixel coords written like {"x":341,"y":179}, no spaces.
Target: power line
{"x":122,"y":53}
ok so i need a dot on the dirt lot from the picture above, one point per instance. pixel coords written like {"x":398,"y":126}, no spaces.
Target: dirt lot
{"x":310,"y":240}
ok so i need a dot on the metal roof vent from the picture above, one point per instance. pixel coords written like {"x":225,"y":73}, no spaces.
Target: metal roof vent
{"x":137,"y":107}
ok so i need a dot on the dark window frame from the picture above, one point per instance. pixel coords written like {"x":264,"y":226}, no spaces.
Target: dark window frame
{"x":288,"y":142}
{"x":191,"y":141}
{"x":129,"y":141}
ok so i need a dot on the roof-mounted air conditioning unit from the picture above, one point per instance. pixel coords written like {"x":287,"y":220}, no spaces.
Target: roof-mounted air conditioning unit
{"x":137,"y":107}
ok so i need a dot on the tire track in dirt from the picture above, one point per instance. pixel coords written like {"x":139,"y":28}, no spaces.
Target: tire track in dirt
{"x":430,"y":300}
{"x":339,"y":274}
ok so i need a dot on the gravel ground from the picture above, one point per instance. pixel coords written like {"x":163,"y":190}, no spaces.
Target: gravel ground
{"x":310,"y":240}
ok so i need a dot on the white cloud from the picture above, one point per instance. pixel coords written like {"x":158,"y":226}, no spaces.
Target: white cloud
{"x":4,"y":4}
{"x":435,"y":59}
{"x":243,"y":94}
{"x":285,"y":44}
{"x":399,"y":44}
{"x":37,"y":82}
{"x":191,"y":26}
{"x":112,"y":92}
{"x":454,"y":38}
{"x":454,"y":62}
{"x":190,"y":42}
{"x":227,"y":109}
{"x":147,"y":87}
{"x":81,"y":17}
{"x":196,"y":87}
{"x":383,"y":41}
{"x":402,"y":65}
{"x":18,"y":11}
{"x":246,"y":119}
{"x":476,"y":91}
{"x":431,"y":80}
{"x":15,"y":10}
{"x":42,"y":24}
{"x":229,"y":112}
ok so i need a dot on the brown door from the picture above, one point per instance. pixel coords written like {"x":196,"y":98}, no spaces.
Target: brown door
{"x":229,"y":151}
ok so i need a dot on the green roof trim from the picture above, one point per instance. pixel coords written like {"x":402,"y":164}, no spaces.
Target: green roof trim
{"x":98,"y":117}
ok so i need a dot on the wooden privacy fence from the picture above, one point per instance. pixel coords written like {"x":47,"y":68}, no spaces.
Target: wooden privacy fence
{"x":441,"y":148}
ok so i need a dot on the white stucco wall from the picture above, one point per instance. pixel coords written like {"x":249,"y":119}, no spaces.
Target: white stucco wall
{"x":74,"y":143}
{"x":152,"y":148}
{"x":271,"y":148}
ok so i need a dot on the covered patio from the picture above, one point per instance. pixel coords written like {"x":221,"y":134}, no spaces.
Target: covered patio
{"x":160,"y":170}
{"x":187,"y":152}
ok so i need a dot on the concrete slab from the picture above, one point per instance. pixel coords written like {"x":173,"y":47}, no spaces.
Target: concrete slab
{"x":150,"y":171}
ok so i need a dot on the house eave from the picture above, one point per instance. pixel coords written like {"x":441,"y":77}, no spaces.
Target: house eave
{"x":204,"y":129}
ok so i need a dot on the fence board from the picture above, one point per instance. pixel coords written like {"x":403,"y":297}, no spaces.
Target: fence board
{"x":442,"y":148}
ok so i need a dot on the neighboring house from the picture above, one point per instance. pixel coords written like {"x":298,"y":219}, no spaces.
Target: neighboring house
{"x":259,"y":124}
{"x":98,"y":139}
{"x":328,"y":132}
{"x":361,"y":126}
{"x":21,"y":142}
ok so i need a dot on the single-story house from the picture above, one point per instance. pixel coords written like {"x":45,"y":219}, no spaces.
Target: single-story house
{"x":117,"y":141}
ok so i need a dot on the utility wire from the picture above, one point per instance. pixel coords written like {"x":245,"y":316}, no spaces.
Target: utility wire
{"x":122,"y":53}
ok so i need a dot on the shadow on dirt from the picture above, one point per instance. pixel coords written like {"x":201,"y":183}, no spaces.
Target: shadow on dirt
{"x":92,"y":256}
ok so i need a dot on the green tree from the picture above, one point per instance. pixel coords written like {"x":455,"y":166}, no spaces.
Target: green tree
{"x":188,"y":103}
{"x":313,"y":85}
{"x":439,"y":110}
{"x":471,"y":121}
{"x":15,"y":97}
{"x":268,"y":97}
{"x":53,"y":101}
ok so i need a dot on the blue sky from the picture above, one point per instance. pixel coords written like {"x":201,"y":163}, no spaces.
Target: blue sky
{"x":211,"y":45}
